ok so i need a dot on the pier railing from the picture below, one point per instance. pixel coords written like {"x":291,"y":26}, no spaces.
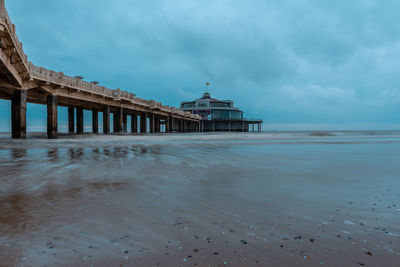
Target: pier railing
{"x":6,"y":21}
{"x":61,"y":79}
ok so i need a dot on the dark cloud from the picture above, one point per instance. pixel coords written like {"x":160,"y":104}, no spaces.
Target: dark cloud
{"x":300,"y":61}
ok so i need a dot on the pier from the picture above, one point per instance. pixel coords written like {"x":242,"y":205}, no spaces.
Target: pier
{"x":22,"y":82}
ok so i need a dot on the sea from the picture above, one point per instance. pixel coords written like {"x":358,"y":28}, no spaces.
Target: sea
{"x":277,"y":198}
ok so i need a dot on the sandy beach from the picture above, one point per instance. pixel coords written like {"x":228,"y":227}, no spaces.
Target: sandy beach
{"x":268,"y":199}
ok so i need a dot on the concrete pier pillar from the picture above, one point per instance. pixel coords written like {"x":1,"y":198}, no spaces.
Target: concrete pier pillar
{"x":143,"y":123}
{"x":181,"y":126}
{"x":167,"y":124}
{"x":95,"y":121}
{"x":114,"y":122}
{"x":18,"y":114}
{"x":118,"y":118}
{"x":106,"y":120}
{"x":170,"y":124}
{"x":134,"y":123}
{"x":52,"y":117}
{"x":71,"y":120}
{"x":157,"y":125}
{"x":252,"y":125}
{"x":152,"y":123}
{"x":125,"y":122}
{"x":79,"y":120}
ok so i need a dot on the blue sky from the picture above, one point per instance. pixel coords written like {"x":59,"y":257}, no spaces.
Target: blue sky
{"x":288,"y":62}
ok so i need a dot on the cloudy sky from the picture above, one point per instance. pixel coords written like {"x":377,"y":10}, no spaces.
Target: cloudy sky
{"x":288,"y":62}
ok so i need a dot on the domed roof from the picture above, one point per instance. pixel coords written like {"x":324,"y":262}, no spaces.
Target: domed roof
{"x":206,"y":95}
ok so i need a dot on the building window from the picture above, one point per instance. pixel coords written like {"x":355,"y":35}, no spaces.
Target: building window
{"x":220,"y":105}
{"x":202,"y":104}
{"x":188,"y":105}
{"x":227,"y":114}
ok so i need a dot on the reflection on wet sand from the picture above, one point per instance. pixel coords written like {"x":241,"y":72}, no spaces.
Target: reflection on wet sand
{"x":18,"y":153}
{"x":52,"y":154}
{"x":234,"y":203}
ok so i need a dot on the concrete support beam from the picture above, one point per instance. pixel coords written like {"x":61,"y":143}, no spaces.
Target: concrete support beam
{"x":143,"y":123}
{"x":95,"y":121}
{"x":185,"y":126}
{"x":52,"y":117}
{"x":79,"y":120}
{"x":134,"y":123}
{"x":71,"y":120}
{"x":170,"y":123}
{"x":125,"y":122}
{"x":118,"y":118}
{"x":167,"y":125}
{"x":106,"y":120}
{"x":152,"y":123}
{"x":181,"y":126}
{"x":18,"y":114}
{"x":157,"y":125}
{"x":114,"y":122}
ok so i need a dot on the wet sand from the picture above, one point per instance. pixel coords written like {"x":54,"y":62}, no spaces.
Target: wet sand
{"x":270,"y":199}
